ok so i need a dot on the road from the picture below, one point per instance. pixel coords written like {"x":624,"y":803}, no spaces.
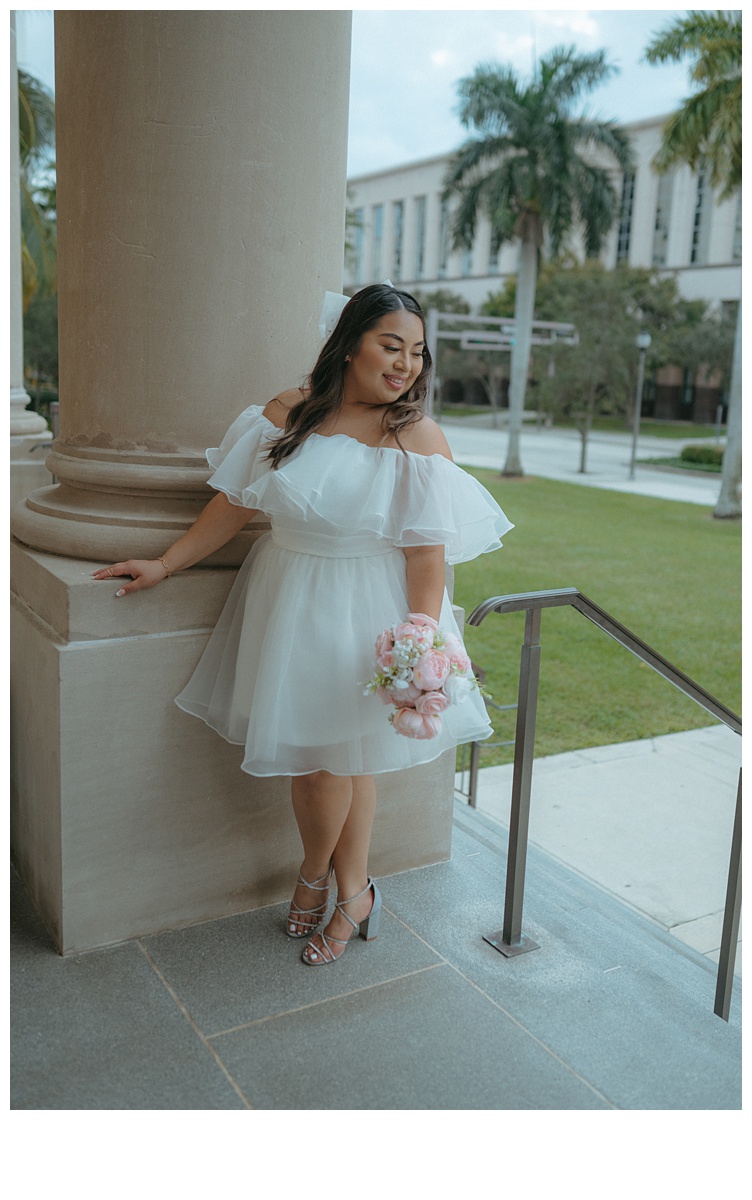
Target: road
{"x":555,"y":454}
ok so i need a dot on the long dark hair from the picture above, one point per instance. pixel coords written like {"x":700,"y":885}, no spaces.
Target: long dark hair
{"x":326,"y":383}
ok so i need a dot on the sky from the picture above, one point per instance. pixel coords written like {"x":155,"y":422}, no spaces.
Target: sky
{"x":406,"y":64}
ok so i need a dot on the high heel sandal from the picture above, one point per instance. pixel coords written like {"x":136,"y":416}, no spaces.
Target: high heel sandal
{"x":297,"y":916}
{"x":368,"y":929}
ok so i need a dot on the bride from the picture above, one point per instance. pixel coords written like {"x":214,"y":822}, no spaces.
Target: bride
{"x":365,"y":506}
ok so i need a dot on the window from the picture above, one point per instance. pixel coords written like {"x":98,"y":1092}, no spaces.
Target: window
{"x":466,"y":264}
{"x":443,"y":238}
{"x":358,"y":242}
{"x":378,"y":238}
{"x":398,"y":211}
{"x":493,"y":253}
{"x":662,"y":220}
{"x":420,"y":236}
{"x":625,"y":217}
{"x":736,"y":245}
{"x":700,"y":225}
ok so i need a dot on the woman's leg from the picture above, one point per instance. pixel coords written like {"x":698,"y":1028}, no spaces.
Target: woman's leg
{"x":350,"y":858}
{"x":321,"y":803}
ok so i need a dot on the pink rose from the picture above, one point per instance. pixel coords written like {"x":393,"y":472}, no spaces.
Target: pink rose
{"x":458,"y":655}
{"x":431,"y":670}
{"x":430,"y":704}
{"x":384,"y":657}
{"x":420,"y":635}
{"x":404,"y":697}
{"x":411,"y":724}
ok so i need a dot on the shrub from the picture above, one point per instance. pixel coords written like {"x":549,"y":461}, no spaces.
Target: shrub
{"x":703,"y":454}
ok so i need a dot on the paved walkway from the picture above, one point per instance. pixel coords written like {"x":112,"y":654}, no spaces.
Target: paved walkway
{"x":555,"y":454}
{"x":609,"y":1013}
{"x":648,"y":821}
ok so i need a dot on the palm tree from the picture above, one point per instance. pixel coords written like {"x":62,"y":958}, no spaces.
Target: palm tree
{"x":531,"y":169}
{"x":37,"y":140}
{"x":707,"y":131}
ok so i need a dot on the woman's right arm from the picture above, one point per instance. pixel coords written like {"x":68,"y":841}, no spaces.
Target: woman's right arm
{"x":216,"y":525}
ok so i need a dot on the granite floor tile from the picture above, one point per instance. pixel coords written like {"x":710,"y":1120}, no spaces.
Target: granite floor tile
{"x":426,"y":1041}
{"x":607,"y":991}
{"x":236,"y":970}
{"x":100,"y":1031}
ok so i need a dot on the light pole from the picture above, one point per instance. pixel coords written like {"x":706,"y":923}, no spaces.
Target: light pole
{"x":643,"y":341}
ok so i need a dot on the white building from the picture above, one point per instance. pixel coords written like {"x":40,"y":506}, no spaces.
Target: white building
{"x":672,"y":222}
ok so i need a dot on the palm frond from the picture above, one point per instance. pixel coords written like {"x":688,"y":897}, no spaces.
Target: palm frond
{"x":36,"y":119}
{"x":707,"y":127}
{"x":693,"y":33}
{"x":565,"y":73}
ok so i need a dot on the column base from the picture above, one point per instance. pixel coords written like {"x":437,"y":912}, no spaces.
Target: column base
{"x":130,"y":816}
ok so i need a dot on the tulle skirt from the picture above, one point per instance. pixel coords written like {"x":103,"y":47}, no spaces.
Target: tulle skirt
{"x":283,"y":671}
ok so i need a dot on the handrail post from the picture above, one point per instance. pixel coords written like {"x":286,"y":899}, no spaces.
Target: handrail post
{"x":731,"y":913}
{"x":472,"y":797}
{"x":509,"y":940}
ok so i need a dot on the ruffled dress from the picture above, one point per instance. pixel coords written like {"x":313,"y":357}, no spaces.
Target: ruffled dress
{"x":283,"y":671}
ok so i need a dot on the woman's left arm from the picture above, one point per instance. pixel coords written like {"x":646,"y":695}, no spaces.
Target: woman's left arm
{"x":425,"y":579}
{"x":425,"y":564}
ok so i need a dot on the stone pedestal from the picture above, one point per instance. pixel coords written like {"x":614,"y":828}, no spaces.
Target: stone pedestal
{"x":201,"y":199}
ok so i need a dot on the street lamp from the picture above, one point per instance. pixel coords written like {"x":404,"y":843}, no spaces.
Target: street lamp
{"x":643,"y":341}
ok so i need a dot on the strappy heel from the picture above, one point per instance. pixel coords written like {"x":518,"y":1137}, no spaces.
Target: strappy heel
{"x":368,"y":929}
{"x":298,"y":916}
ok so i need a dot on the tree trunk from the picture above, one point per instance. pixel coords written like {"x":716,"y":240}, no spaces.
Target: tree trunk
{"x":584,"y":428}
{"x":730,"y":498}
{"x":523,"y":334}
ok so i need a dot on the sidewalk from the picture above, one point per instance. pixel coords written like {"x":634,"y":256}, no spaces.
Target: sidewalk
{"x":555,"y":454}
{"x":653,"y":831}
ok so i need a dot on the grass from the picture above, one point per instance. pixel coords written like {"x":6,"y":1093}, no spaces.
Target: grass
{"x":668,"y":571}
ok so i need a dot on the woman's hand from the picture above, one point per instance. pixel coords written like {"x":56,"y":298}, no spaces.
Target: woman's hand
{"x":214,"y":527}
{"x":144,"y":572}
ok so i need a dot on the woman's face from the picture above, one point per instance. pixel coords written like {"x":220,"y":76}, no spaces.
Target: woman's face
{"x":388,"y":360}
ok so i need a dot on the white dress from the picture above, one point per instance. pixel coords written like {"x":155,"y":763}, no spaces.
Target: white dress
{"x":284,"y":669}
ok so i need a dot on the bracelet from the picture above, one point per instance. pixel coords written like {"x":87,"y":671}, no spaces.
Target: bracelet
{"x":167,"y":569}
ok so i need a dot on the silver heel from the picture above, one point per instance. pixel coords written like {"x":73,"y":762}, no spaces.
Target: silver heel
{"x":370,"y":927}
{"x":314,"y":956}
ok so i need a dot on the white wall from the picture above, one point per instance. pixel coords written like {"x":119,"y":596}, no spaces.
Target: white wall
{"x":715,"y":279}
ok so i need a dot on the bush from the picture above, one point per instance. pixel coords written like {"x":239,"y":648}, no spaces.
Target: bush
{"x":713,"y":455}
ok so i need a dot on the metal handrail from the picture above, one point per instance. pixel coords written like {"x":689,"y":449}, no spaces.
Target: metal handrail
{"x":509,"y":940}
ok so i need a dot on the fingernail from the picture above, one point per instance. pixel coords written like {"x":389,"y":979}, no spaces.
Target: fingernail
{"x":121,"y":592}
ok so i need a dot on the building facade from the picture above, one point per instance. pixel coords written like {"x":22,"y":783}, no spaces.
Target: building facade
{"x":674,"y":223}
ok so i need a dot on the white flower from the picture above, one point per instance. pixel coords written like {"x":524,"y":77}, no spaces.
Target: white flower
{"x":458,"y":688}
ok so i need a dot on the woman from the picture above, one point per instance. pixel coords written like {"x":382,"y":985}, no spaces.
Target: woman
{"x":365,"y":504}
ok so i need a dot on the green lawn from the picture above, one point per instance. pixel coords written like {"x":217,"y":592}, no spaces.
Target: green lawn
{"x":668,"y":571}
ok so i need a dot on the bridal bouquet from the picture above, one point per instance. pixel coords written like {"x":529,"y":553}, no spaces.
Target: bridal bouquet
{"x":420,"y":670}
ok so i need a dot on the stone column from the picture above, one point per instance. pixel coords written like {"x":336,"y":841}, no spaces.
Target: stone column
{"x":199,"y":222}
{"x":28,"y":431}
{"x":201,"y":193}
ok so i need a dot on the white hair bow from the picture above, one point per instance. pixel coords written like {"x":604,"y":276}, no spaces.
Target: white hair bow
{"x":331,"y":309}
